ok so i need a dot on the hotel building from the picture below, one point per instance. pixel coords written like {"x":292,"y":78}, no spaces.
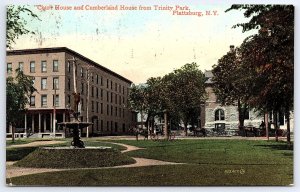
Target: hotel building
{"x":103,"y":93}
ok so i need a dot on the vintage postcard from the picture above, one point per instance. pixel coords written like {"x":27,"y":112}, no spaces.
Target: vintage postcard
{"x":148,"y":93}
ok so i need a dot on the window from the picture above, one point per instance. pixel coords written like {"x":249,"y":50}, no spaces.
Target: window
{"x":119,"y":99}
{"x":44,"y":83}
{"x":92,"y":91}
{"x":81,"y":72}
{"x":116,"y":126}
{"x":55,"y":83}
{"x":116,"y":87}
{"x":69,"y":99}
{"x":97,"y":107}
{"x":97,"y":93}
{"x":123,"y":90}
{"x":101,"y":125}
{"x":107,"y":125}
{"x":97,"y":78}
{"x":107,"y":83}
{"x":116,"y":98}
{"x":107,"y":109}
{"x":69,"y":66}
{"x":101,"y":108}
{"x":92,"y":106}
{"x":111,"y":85}
{"x":32,"y":67}
{"x":44,"y":101}
{"x":111,"y":97}
{"x":116,"y":111}
{"x":21,"y":66}
{"x":33,"y":80}
{"x":92,"y":77}
{"x":101,"y":81}
{"x":55,"y":65}
{"x":44,"y":66}
{"x":111,"y":110}
{"x":101,"y":94}
{"x":219,"y":115}
{"x":82,"y":88}
{"x":107,"y":96}
{"x":32,"y":101}
{"x":9,"y":68}
{"x":56,"y":100}
{"x":69,"y":84}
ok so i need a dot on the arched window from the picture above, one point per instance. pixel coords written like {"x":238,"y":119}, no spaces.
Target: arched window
{"x":219,"y":115}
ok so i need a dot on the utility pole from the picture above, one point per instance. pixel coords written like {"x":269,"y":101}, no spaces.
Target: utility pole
{"x":54,"y":110}
{"x":87,"y":101}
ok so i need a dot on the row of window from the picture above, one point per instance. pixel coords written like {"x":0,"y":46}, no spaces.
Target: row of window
{"x":220,"y":115}
{"x":32,"y":66}
{"x":55,"y":84}
{"x":94,"y":77}
{"x":96,"y":92}
{"x":110,"y":126}
{"x":44,"y":101}
{"x":98,"y":108}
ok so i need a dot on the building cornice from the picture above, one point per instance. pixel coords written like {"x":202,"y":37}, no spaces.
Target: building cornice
{"x":66,"y":50}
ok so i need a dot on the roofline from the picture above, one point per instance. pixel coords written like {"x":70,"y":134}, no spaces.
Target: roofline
{"x":67,"y":50}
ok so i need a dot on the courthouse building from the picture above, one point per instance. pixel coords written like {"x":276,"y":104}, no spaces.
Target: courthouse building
{"x":225,"y":117}
{"x":103,"y":93}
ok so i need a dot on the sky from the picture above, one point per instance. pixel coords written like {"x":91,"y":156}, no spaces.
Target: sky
{"x":138,"y":44}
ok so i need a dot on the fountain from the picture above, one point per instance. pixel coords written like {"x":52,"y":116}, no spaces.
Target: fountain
{"x":75,"y":124}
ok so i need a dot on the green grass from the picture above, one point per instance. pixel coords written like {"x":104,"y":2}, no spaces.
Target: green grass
{"x":207,"y":162}
{"x":74,"y":158}
{"x":215,"y":151}
{"x":168,"y":175}
{"x":15,"y":154}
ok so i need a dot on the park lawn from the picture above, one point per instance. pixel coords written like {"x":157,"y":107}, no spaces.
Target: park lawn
{"x":207,"y":162}
{"x":167,"y":175}
{"x":219,"y":151}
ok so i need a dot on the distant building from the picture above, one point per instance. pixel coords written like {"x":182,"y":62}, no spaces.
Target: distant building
{"x":103,"y":93}
{"x":226,"y":117}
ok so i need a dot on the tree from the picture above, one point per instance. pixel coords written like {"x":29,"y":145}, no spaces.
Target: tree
{"x":232,"y":82}
{"x":271,"y":54}
{"x":16,"y":24}
{"x":184,"y":92}
{"x":18,"y":92}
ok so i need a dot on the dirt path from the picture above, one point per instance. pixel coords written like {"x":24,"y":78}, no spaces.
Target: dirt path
{"x":12,"y":171}
{"x":36,"y":143}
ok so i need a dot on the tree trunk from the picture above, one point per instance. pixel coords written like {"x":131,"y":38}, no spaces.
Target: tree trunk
{"x":276,"y":124}
{"x":267,"y":125}
{"x":241,"y":115}
{"x":185,"y":129}
{"x":13,"y":130}
{"x":166,"y":135}
{"x":288,"y":127}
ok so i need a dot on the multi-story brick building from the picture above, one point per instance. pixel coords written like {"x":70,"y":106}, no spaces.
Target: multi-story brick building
{"x":103,"y":93}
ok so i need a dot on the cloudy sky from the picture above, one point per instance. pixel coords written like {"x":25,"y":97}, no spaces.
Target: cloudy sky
{"x":138,"y":44}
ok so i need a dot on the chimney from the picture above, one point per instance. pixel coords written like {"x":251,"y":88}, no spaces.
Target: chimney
{"x":231,"y":48}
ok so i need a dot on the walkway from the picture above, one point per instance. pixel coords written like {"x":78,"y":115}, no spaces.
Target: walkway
{"x":13,"y":171}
